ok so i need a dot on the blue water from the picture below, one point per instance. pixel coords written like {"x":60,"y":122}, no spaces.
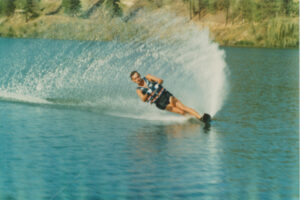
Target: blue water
{"x":65,"y":132}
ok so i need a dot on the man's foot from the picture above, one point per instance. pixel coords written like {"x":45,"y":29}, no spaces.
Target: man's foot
{"x":206,"y":118}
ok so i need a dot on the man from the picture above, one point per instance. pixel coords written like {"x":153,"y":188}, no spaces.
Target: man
{"x":150,"y":90}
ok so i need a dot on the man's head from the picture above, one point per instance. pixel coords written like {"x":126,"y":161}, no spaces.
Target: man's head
{"x":135,"y":77}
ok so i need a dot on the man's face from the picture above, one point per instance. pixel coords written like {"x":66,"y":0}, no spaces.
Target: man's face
{"x":136,"y":78}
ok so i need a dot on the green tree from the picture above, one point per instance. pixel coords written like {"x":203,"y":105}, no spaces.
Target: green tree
{"x":1,"y":7}
{"x":114,"y":7}
{"x":117,"y":9}
{"x":8,"y":7}
{"x":246,"y":8}
{"x":75,"y":6}
{"x":71,"y":6}
{"x":268,"y":8}
{"x":213,"y":5}
{"x":227,"y":7}
{"x":30,"y":9}
{"x":200,"y":8}
{"x":287,"y":4}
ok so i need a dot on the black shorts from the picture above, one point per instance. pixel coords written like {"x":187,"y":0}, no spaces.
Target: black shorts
{"x":163,"y":100}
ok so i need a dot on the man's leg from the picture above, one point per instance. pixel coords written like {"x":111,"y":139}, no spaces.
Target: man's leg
{"x":173,"y":109}
{"x":176,"y":103}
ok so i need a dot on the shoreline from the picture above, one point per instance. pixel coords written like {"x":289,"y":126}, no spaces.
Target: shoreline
{"x":221,"y":46}
{"x":278,"y":33}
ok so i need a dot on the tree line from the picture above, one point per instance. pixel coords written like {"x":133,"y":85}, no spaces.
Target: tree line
{"x":250,"y":10}
{"x":31,"y":8}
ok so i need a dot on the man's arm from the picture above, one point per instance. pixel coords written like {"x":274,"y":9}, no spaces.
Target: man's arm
{"x":155,"y":79}
{"x":142,"y":96}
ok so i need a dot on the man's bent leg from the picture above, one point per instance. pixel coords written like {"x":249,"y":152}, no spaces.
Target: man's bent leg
{"x":173,"y":109}
{"x":181,"y":106}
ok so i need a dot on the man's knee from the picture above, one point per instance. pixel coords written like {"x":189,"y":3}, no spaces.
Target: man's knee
{"x":182,"y":112}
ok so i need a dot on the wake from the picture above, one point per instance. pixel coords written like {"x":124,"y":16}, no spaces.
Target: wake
{"x":96,"y":74}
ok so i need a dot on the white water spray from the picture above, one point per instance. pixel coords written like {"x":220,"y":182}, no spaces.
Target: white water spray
{"x":96,"y":74}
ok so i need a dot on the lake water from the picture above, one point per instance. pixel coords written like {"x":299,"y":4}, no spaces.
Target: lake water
{"x":72,"y":127}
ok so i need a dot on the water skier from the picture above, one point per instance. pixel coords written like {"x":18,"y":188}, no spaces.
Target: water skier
{"x":150,"y":90}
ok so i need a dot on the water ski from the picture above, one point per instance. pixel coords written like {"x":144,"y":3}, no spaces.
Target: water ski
{"x":206,"y":118}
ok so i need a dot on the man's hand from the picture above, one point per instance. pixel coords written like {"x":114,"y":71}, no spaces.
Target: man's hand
{"x":143,"y":97}
{"x":155,"y":79}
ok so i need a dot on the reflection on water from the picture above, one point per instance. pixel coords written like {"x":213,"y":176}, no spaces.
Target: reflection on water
{"x":152,"y":138}
{"x":177,"y":160}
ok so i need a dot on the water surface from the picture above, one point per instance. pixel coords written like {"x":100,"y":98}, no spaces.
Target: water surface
{"x":62,"y":137}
